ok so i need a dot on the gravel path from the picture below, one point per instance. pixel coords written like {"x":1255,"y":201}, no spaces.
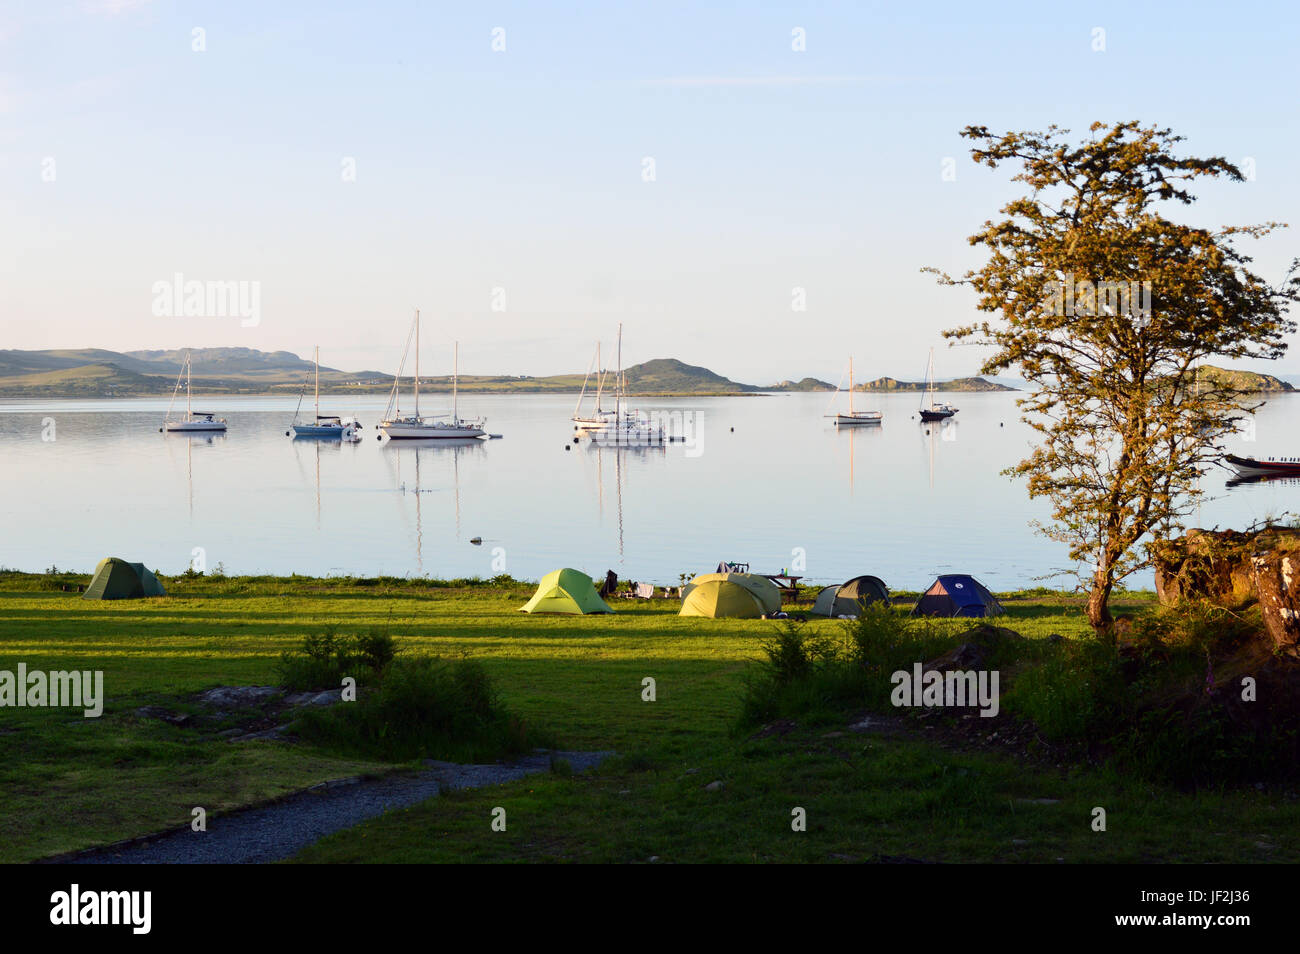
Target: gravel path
{"x":284,"y":828}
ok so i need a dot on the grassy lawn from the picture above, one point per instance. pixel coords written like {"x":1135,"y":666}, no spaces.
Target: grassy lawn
{"x":71,"y":782}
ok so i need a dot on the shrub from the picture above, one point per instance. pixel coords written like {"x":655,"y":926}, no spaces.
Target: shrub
{"x":325,"y":659}
{"x":422,"y":708}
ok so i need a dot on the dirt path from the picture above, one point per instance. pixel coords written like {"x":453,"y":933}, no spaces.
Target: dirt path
{"x":282,"y":829}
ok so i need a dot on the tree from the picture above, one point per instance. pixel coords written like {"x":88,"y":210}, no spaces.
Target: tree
{"x":1106,"y":307}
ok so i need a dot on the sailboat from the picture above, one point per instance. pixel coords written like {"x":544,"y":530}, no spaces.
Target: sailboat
{"x":599,"y":418}
{"x":628,"y":427}
{"x":326,"y":425}
{"x":194,"y":422}
{"x":438,"y":426}
{"x":855,"y":418}
{"x":933,"y":412}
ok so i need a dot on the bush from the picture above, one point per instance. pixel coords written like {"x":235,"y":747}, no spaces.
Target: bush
{"x":324,"y":660}
{"x":422,"y":708}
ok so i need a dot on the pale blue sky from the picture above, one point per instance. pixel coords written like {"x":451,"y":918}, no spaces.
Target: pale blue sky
{"x":522,"y":169}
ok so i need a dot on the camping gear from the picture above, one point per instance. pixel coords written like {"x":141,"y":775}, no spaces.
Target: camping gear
{"x":566,"y":591}
{"x":721,"y":598}
{"x":846,"y":599}
{"x":116,"y":579}
{"x":725,"y":567}
{"x":763,"y":590}
{"x":957,"y":595}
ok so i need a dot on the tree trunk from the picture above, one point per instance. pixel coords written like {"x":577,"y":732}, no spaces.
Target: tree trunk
{"x":1099,"y":609}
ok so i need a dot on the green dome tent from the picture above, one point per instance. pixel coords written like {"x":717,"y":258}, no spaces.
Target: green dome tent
{"x":115,"y":579}
{"x":719,"y":599}
{"x":566,"y":591}
{"x":764,"y":590}
{"x":847,"y":598}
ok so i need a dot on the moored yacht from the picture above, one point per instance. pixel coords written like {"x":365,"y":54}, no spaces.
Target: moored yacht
{"x":194,"y":422}
{"x":414,"y":426}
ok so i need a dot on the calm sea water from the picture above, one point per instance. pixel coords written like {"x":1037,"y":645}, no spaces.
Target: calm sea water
{"x":765,"y":480}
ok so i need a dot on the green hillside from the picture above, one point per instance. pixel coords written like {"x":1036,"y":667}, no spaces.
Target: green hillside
{"x":803,"y":384}
{"x":91,"y":380}
{"x":957,"y":384}
{"x":1243,"y":380}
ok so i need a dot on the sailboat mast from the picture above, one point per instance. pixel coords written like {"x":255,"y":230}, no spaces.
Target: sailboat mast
{"x":850,"y":387}
{"x":455,"y":373}
{"x":929,"y":381}
{"x":189,"y":415}
{"x":600,"y":380}
{"x":618,"y":381}
{"x":318,"y":387}
{"x":417,"y":363}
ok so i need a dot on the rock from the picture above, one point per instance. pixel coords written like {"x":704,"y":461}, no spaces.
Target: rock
{"x":179,"y":719}
{"x":975,"y":648}
{"x":238,"y":697}
{"x":328,"y":697}
{"x":715,"y":786}
{"x":1205,"y":564}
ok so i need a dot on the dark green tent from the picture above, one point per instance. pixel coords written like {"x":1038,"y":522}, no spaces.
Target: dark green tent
{"x":847,"y":598}
{"x":115,"y":579}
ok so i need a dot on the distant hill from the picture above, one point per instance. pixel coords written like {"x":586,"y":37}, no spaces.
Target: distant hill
{"x":803,"y":384}
{"x":670,"y":376}
{"x":91,"y":371}
{"x":88,"y":372}
{"x":88,"y":380}
{"x":234,"y":361}
{"x":957,"y":384}
{"x":1244,"y":380}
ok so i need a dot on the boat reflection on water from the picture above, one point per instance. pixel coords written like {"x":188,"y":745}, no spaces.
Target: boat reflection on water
{"x":431,"y":450}
{"x":1263,"y":479}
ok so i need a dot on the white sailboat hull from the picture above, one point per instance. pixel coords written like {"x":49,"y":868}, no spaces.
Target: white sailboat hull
{"x":192,"y":427}
{"x":412,"y":429}
{"x":858,"y":419}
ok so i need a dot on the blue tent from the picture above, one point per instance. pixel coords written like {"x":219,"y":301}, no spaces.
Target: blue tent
{"x":957,"y":595}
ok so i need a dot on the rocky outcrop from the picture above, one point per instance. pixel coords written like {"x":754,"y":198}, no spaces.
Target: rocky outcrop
{"x":1206,"y":564}
{"x":1232,"y":568}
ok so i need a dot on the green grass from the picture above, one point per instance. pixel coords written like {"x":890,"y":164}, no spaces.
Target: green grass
{"x":71,"y":782}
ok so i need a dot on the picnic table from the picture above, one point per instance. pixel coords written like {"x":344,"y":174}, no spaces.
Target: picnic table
{"x":788,"y":583}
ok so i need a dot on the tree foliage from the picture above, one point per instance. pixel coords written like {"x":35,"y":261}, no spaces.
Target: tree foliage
{"x":1105,"y":306}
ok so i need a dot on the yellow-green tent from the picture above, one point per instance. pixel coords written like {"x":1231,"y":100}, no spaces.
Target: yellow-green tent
{"x":765,"y":591}
{"x":721,"y":598}
{"x":566,"y":591}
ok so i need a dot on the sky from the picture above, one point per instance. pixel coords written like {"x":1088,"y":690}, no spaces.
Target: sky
{"x":529,"y":175}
